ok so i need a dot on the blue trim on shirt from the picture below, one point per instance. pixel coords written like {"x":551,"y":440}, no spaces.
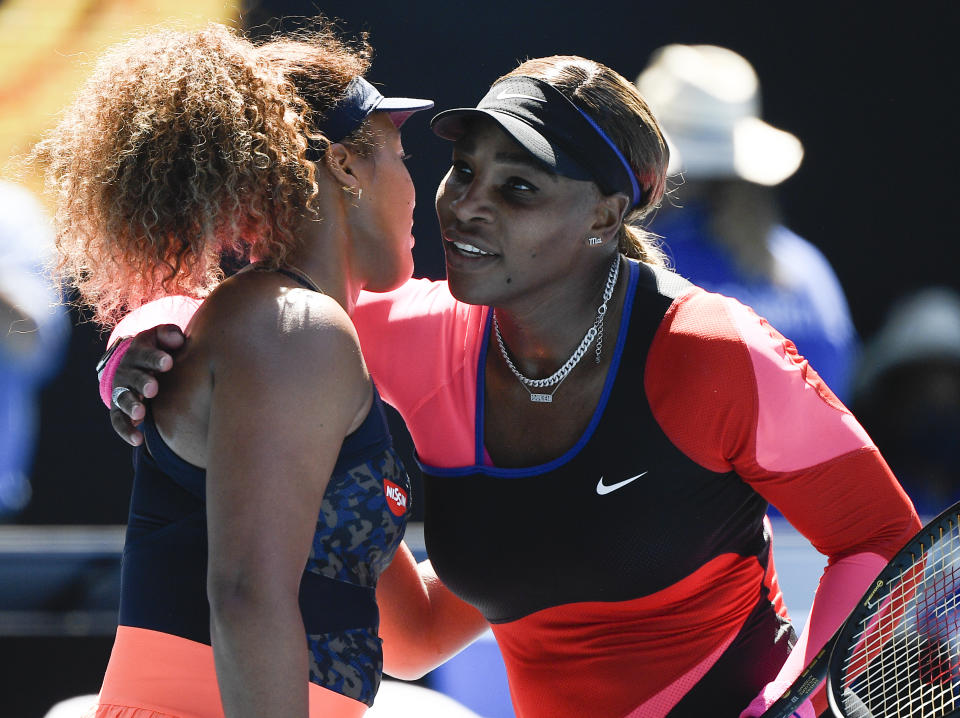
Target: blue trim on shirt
{"x":519,"y":473}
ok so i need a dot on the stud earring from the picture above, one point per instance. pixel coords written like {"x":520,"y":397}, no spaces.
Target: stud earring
{"x":594,"y":241}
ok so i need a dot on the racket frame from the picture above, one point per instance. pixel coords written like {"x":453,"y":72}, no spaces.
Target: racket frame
{"x":910,"y":556}
{"x":822,"y":664}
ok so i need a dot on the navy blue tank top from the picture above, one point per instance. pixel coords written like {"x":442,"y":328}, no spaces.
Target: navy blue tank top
{"x":360,"y":525}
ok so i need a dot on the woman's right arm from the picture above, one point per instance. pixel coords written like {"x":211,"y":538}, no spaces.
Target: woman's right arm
{"x":157,"y":330}
{"x":389,"y":324}
{"x":422,"y":624}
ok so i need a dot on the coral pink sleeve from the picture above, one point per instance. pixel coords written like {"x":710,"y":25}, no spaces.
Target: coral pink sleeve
{"x":734,"y":394}
{"x":840,"y":588}
{"x":421,"y":347}
{"x":166,"y":310}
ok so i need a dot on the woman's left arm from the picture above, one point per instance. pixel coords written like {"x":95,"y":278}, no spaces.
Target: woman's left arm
{"x":812,"y":460}
{"x":281,"y":406}
{"x":763,"y":412}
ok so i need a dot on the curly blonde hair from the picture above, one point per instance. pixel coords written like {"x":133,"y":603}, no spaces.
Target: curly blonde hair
{"x":183,"y":147}
{"x":617,"y":107}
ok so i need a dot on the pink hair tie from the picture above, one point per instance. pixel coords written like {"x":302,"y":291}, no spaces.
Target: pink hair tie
{"x":645,"y":178}
{"x":107,"y":368}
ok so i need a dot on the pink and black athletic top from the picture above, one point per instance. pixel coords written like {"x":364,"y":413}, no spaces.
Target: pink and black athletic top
{"x":632,"y":575}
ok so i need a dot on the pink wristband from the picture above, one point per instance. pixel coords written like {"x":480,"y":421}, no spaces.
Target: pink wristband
{"x":110,"y":371}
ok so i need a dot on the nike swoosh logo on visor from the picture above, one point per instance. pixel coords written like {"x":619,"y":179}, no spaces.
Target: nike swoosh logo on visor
{"x":603,"y":489}
{"x":504,"y":95}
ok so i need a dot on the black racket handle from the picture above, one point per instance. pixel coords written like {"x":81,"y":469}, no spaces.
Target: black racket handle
{"x":806,"y":683}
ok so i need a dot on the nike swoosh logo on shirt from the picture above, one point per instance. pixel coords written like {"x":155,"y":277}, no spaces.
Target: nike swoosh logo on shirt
{"x":603,"y":489}
{"x":504,"y":95}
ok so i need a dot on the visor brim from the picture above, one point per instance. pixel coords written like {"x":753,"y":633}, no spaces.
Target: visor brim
{"x":401,"y":108}
{"x":452,"y":124}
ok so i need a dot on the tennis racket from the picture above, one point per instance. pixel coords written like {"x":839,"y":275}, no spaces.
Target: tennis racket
{"x":897,"y":655}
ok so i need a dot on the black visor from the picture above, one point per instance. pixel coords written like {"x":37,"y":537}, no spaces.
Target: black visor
{"x":362,"y":98}
{"x":552,"y":129}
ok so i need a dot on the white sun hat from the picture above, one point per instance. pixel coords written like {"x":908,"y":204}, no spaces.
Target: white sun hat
{"x":707,"y":100}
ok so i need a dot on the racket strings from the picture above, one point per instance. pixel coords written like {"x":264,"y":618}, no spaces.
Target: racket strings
{"x":903,"y":659}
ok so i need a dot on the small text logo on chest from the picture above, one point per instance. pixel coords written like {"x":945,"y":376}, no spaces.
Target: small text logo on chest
{"x":396,"y":497}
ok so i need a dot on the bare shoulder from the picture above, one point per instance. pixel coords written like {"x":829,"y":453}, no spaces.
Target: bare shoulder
{"x":269,"y":305}
{"x":261,"y":323}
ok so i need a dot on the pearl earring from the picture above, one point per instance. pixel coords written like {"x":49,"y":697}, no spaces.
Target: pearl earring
{"x":594,"y":241}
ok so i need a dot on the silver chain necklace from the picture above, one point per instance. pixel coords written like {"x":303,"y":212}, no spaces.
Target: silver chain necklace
{"x":594,"y":332}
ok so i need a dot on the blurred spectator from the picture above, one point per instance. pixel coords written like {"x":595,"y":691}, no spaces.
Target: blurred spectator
{"x":33,"y":333}
{"x":724,"y":232}
{"x":907,"y":395}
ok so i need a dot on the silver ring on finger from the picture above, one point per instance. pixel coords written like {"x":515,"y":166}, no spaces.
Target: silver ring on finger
{"x":118,"y":391}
